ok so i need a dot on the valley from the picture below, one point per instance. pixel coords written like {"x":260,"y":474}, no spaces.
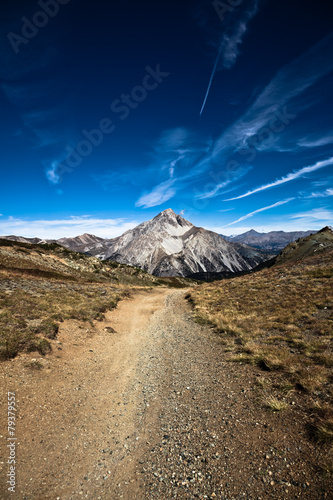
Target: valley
{"x":130,"y":385}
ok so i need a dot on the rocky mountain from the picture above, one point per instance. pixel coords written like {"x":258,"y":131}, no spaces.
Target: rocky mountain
{"x":21,"y":239}
{"x":273,"y":241}
{"x":167,"y":245}
{"x":86,"y":243}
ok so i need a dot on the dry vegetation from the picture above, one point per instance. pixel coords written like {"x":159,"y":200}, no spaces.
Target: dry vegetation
{"x":29,"y":319}
{"x":280,"y":320}
{"x":43,"y":285}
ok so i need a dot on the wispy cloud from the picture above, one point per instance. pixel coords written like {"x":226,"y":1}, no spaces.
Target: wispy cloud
{"x":232,"y":176}
{"x":311,"y":142}
{"x":186,"y":158}
{"x":73,"y":226}
{"x":319,"y":216}
{"x":234,"y":36}
{"x":291,"y":81}
{"x":261,"y":125}
{"x":289,"y":177}
{"x":175,"y":156}
{"x":322,"y":182}
{"x":323,"y":194}
{"x":229,"y":47}
{"x":160,"y":194}
{"x":251,"y":214}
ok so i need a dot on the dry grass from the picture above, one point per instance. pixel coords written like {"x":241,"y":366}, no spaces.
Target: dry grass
{"x":29,"y":320}
{"x":42,"y":285}
{"x":321,"y":425}
{"x":279,"y":319}
{"x":275,"y":404}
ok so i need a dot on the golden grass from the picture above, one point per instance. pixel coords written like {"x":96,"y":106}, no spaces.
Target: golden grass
{"x":275,"y":404}
{"x":42,"y":285}
{"x":279,"y":319}
{"x":29,"y":320}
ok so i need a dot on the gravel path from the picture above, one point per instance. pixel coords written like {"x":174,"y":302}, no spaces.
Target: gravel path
{"x":151,"y":411}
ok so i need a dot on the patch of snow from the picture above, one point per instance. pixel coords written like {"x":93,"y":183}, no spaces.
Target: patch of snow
{"x":176,"y":230}
{"x":172,"y":245}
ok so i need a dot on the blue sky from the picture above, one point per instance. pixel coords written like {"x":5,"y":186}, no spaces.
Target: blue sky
{"x":114,"y":111}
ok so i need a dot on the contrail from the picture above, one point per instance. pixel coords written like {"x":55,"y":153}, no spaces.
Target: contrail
{"x":211,"y":79}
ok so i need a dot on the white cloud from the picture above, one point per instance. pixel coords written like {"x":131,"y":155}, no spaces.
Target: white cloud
{"x":233,"y":38}
{"x":317,"y":215}
{"x":228,"y":50}
{"x":251,"y":214}
{"x":59,"y":228}
{"x":268,"y":110}
{"x":231,"y":176}
{"x":172,"y":139}
{"x":321,"y":182}
{"x":289,"y":177}
{"x":315,"y":143}
{"x":51,"y":173}
{"x":324,"y":194}
{"x":291,"y":81}
{"x":160,"y":194}
{"x":175,"y":153}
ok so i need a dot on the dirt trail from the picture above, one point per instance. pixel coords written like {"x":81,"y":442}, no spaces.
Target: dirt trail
{"x":82,"y":406}
{"x":149,"y":411}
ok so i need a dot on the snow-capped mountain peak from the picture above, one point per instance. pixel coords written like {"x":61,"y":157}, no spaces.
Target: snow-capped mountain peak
{"x":169,"y":245}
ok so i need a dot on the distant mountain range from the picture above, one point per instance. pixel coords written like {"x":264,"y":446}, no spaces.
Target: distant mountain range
{"x":167,"y":245}
{"x":316,"y":246}
{"x":274,"y":241}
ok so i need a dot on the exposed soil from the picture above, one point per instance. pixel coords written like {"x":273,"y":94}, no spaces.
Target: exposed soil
{"x":150,"y":410}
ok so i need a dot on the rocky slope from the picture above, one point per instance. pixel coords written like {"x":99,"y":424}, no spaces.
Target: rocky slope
{"x":84,"y":243}
{"x":19,"y":260}
{"x":305,"y":247}
{"x":169,"y":245}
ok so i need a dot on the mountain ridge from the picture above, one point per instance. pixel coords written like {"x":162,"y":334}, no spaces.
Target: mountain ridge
{"x":272,"y":241}
{"x":168,"y":245}
{"x":317,"y":243}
